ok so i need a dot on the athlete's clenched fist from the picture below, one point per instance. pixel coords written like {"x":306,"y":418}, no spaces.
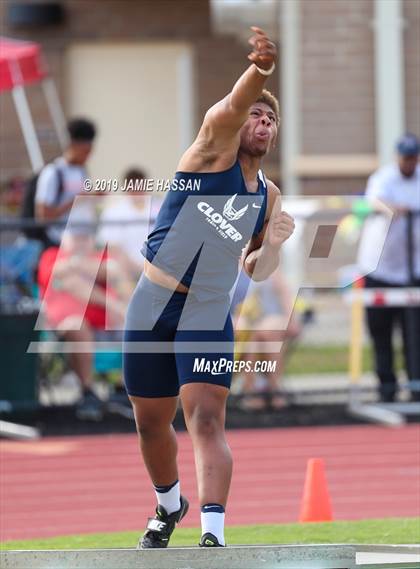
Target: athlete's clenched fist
{"x":280,"y":228}
{"x":264,"y":50}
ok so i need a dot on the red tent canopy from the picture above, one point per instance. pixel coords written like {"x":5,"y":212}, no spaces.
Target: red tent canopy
{"x":20,"y":63}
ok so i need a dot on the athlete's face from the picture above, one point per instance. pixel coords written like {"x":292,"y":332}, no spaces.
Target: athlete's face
{"x":259,"y":132}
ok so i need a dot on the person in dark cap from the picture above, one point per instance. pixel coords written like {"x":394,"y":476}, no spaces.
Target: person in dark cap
{"x":397,"y":186}
{"x":408,"y":148}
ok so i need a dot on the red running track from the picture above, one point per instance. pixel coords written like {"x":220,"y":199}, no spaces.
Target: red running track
{"x":63,"y":486}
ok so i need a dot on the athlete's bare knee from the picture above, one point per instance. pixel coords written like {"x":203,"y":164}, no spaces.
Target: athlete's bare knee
{"x":204,"y":409}
{"x":153,"y":418}
{"x":147,"y":433}
{"x":205,"y":423}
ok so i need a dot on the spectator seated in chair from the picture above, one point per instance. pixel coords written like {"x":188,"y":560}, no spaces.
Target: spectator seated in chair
{"x":80,"y":290}
{"x":265,"y":312}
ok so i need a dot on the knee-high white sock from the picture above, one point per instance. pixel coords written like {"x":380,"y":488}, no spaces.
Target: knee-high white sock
{"x":213,"y":521}
{"x":169,"y":497}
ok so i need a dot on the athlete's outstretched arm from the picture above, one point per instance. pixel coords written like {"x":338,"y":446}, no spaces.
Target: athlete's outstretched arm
{"x":229,"y":114}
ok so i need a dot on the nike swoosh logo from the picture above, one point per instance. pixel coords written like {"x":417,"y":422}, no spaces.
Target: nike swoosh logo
{"x":217,"y":372}
{"x":256,"y":206}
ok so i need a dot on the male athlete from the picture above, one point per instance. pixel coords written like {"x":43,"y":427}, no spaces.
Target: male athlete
{"x":182,"y":299}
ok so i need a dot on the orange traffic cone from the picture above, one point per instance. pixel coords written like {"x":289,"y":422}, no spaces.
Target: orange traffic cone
{"x":316,"y":504}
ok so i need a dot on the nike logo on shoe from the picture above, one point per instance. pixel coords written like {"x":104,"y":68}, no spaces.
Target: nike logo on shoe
{"x":209,"y":540}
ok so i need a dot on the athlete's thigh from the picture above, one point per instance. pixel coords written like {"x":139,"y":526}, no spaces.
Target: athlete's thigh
{"x":149,"y":363}
{"x":154,"y":411}
{"x":148,"y":374}
{"x":196,"y":363}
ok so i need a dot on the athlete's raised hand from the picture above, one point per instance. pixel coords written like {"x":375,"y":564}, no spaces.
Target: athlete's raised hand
{"x":264,"y":51}
{"x":280,"y":228}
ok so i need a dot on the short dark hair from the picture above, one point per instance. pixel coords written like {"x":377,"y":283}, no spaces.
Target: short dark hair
{"x":135,"y":174}
{"x":81,"y":130}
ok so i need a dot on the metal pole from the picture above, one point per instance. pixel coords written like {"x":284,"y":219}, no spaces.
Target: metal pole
{"x":290,"y":64}
{"x":25,"y":117}
{"x":412,"y":316}
{"x":56,"y":112}
{"x":356,"y":337}
{"x":290,"y":92}
{"x":389,"y":76}
{"x":410,"y":247}
{"x":28,"y":128}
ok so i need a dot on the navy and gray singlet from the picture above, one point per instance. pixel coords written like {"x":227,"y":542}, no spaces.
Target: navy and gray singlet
{"x":173,"y":338}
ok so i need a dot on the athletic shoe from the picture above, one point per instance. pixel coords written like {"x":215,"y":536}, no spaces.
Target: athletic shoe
{"x":209,"y":540}
{"x":159,"y":529}
{"x":90,"y":407}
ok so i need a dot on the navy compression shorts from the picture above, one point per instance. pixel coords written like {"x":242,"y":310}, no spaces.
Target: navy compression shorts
{"x":160,"y":355}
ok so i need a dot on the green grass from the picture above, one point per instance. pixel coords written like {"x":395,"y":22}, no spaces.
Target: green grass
{"x":328,"y":359}
{"x":388,"y":531}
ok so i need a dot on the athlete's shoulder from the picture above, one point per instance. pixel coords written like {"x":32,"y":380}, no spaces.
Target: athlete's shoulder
{"x":272,"y":188}
{"x":273,"y":196}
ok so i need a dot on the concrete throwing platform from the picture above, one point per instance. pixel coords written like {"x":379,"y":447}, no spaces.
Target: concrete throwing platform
{"x":235,"y":557}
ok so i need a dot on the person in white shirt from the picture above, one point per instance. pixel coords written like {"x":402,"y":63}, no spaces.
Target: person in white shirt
{"x":53,"y":205}
{"x":133,"y":210}
{"x":397,"y":186}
